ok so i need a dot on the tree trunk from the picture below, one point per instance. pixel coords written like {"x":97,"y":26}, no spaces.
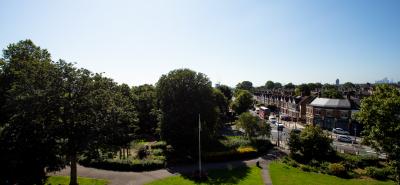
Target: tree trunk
{"x":73,"y":177}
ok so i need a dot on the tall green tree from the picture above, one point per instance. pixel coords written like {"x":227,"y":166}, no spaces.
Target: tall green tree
{"x":226,"y":90}
{"x":183,"y":95}
{"x":380,"y":116}
{"x":269,"y":85}
{"x":289,"y":86}
{"x":245,"y":85}
{"x":28,"y":115}
{"x":311,"y":143}
{"x":248,"y":123}
{"x":93,"y":113}
{"x":348,"y":86}
{"x":277,"y":85}
{"x":222,"y":104}
{"x":145,"y":101}
{"x":331,"y":91}
{"x":253,"y":126}
{"x":303,"y":89}
{"x":243,"y":102}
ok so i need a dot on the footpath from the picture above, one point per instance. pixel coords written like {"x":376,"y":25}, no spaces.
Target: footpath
{"x":140,"y":178}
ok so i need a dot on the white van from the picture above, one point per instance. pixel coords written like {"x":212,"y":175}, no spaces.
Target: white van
{"x":272,"y":119}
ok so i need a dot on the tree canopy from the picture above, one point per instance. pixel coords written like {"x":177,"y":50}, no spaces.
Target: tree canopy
{"x":27,"y":115}
{"x":253,"y":126}
{"x":269,"y":85}
{"x":331,"y":91}
{"x":245,"y":85}
{"x":289,"y":86}
{"x":311,"y":143}
{"x":183,"y":95}
{"x":380,"y":116}
{"x":243,"y":101}
{"x":226,"y":90}
{"x":144,"y":98}
{"x":302,"y":90}
{"x":52,"y":112}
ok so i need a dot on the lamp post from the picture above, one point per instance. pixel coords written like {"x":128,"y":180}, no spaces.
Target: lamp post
{"x":199,"y":147}
{"x":355,"y":134}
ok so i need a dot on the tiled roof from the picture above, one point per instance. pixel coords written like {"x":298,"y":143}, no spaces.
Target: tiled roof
{"x":331,"y":103}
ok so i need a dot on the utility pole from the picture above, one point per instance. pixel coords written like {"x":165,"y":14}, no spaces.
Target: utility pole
{"x":199,"y":147}
{"x":278,"y":133}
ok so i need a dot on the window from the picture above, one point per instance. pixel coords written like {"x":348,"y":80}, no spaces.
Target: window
{"x":329,"y":113}
{"x":317,"y":111}
{"x":344,"y":114}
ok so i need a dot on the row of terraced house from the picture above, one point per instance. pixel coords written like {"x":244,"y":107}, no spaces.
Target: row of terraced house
{"x":325,"y":112}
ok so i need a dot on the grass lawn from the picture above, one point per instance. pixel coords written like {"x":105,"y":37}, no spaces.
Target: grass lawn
{"x":62,"y":180}
{"x":282,"y":174}
{"x":243,"y":176}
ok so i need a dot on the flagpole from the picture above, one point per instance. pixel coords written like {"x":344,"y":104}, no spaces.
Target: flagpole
{"x":199,"y":147}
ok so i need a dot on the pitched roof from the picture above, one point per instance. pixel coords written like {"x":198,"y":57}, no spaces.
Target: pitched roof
{"x":331,"y":103}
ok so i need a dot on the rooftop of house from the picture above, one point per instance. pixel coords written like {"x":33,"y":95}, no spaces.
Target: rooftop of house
{"x":331,"y":103}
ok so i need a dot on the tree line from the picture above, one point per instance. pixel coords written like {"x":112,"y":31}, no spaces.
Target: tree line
{"x":53,"y":112}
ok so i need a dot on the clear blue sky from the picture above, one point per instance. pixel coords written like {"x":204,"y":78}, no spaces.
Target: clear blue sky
{"x":135,"y":42}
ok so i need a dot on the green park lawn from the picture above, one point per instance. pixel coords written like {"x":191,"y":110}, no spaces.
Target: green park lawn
{"x":241,"y":176}
{"x":62,"y":180}
{"x":282,"y":174}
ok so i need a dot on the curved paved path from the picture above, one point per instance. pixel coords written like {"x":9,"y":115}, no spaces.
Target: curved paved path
{"x":139,"y":178}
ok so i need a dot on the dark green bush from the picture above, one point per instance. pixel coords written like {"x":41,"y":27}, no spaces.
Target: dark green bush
{"x":262,"y":145}
{"x":159,"y":145}
{"x":378,"y":173}
{"x":229,"y":155}
{"x":324,"y":167}
{"x":314,"y":163}
{"x":306,"y":168}
{"x":142,"y":152}
{"x":156,"y":152}
{"x":370,"y":161}
{"x":337,"y":169}
{"x":233,"y":142}
{"x":124,"y":165}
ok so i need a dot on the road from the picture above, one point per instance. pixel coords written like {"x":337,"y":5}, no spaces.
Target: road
{"x":338,"y":146}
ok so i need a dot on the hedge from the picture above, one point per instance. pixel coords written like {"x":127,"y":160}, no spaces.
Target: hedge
{"x":239,"y":153}
{"x":124,"y":165}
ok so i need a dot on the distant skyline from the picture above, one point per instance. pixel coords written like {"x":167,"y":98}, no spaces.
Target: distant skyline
{"x":230,"y":41}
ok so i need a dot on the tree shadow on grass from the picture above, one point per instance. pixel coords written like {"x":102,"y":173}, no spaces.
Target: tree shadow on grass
{"x":228,"y":175}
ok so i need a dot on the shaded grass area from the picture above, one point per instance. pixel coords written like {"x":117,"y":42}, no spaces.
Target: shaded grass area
{"x":63,"y":180}
{"x":241,"y":176}
{"x":282,"y":174}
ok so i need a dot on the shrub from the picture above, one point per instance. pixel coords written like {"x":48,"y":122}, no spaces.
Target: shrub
{"x":240,"y":153}
{"x":262,"y":145}
{"x":306,"y":168}
{"x":157,"y":152}
{"x":314,"y":163}
{"x":142,"y":152}
{"x":159,"y":145}
{"x":246,"y":150}
{"x":290,"y":162}
{"x":232,"y":142}
{"x":124,"y":165}
{"x":378,"y":173}
{"x":370,"y":161}
{"x":324,"y":167}
{"x":337,"y":169}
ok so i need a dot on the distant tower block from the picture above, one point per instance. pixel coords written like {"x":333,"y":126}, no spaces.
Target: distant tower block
{"x":337,"y":82}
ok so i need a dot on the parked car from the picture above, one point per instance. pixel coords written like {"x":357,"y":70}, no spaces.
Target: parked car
{"x":340,"y":131}
{"x":280,"y":125}
{"x":345,"y":139}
